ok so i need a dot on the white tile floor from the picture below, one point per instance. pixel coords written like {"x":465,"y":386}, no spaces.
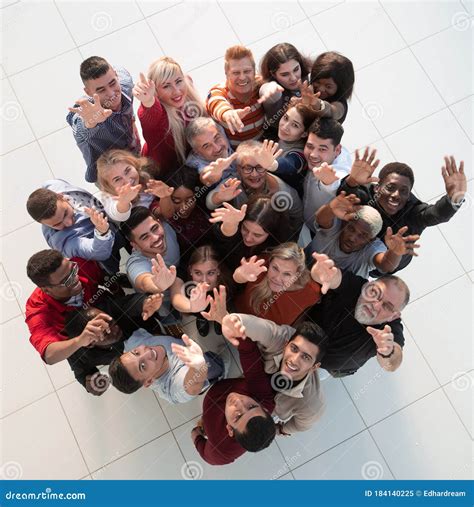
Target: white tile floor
{"x":413,"y":101}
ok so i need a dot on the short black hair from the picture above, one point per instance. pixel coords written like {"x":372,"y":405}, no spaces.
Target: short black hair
{"x":121,"y":379}
{"x":42,"y":265}
{"x":93,"y":68}
{"x":137,"y":216}
{"x":259,"y":433}
{"x":315,"y":335}
{"x":42,"y":204}
{"x":327,"y":128}
{"x":397,"y":168}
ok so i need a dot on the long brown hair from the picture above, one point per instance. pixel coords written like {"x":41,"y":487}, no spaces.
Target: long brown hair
{"x":207,"y":253}
{"x":282,"y":53}
{"x":261,"y":296}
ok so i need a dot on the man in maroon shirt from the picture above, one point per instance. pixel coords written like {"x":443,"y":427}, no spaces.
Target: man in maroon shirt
{"x":237,"y":412}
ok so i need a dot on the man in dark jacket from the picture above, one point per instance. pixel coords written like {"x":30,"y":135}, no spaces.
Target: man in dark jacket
{"x":391,"y":195}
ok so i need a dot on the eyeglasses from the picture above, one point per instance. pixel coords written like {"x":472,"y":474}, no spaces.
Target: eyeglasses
{"x":248,"y":169}
{"x":70,"y":280}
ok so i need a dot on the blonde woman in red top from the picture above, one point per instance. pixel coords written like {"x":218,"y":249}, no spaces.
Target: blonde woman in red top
{"x":169,"y":102}
{"x":280,"y":288}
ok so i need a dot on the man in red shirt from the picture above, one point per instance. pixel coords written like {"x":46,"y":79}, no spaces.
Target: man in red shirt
{"x":63,"y":284}
{"x":237,"y":412}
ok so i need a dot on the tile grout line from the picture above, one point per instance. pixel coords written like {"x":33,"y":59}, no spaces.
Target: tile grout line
{"x":228,"y":21}
{"x":145,"y":18}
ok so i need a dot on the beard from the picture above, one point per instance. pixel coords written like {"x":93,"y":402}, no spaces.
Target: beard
{"x":362,"y":317}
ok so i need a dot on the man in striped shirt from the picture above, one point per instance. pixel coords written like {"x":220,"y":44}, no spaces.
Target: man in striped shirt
{"x":236,"y":104}
{"x":104,"y":119}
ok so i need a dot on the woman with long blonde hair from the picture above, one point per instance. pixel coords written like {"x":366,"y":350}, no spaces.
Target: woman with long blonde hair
{"x":279,"y":288}
{"x":169,"y":102}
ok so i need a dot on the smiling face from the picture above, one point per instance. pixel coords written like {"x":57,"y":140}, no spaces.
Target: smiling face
{"x":252,"y":233}
{"x":64,"y":216}
{"x":120,"y":174}
{"x":145,"y":364}
{"x":326,"y":86}
{"x":354,"y":235}
{"x":379,"y":302}
{"x":108,"y":88}
{"x":299,"y":358}
{"x":318,"y":150}
{"x":149,"y":237}
{"x":240,"y":76}
{"x":291,"y":126}
{"x":64,"y":282}
{"x":184,"y":201}
{"x":173,"y":92}
{"x":282,"y":274}
{"x":288,"y":75}
{"x":211,"y":144}
{"x":393,"y":193}
{"x":239,"y":409}
{"x":207,"y":272}
{"x":253,"y":180}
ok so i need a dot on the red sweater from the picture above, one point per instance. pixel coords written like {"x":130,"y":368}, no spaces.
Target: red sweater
{"x":219,"y":448}
{"x":45,"y":315}
{"x":159,"y":142}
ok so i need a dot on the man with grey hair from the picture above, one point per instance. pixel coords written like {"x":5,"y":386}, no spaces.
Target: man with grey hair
{"x":348,"y":234}
{"x":211,"y":153}
{"x":360,"y":318}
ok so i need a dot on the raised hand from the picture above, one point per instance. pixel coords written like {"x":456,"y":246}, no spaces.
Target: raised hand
{"x":232,"y":328}
{"x":233,"y":119}
{"x":126,"y":193}
{"x":344,"y":206}
{"x":98,"y":219}
{"x":399,"y":244}
{"x":213,"y":172}
{"x":218,"y":305}
{"x":271,"y":89}
{"x":91,"y":114}
{"x":151,"y":305}
{"x":190,"y":353}
{"x":383,"y":339}
{"x":308,"y":97}
{"x":199,"y":298}
{"x":363,"y":168}
{"x":325,"y":174}
{"x":159,"y":189}
{"x":324,"y":271}
{"x":95,"y":330}
{"x":252,"y":268}
{"x":228,"y":190}
{"x":163,"y":277}
{"x":454,"y":179}
{"x":144,"y":91}
{"x":267,"y":154}
{"x":228,"y":215}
